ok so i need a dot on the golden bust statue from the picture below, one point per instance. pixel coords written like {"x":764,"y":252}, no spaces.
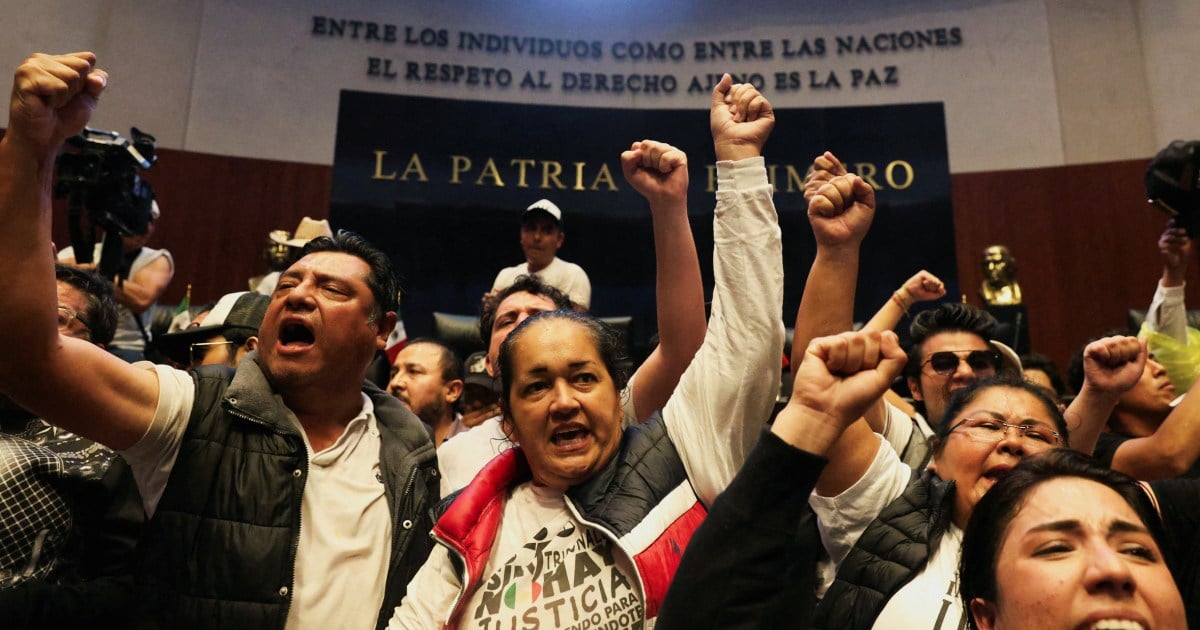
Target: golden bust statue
{"x":1000,"y":286}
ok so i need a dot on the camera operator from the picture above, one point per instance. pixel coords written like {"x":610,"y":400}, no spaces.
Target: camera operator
{"x":145,"y":274}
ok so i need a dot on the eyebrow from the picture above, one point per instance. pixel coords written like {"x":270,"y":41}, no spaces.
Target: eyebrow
{"x":1021,"y":422}
{"x":321,"y":276}
{"x":1117,"y":526}
{"x":574,"y":365}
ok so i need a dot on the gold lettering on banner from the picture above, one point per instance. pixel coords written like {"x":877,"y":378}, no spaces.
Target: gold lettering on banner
{"x":604,"y":176}
{"x":490,"y":172}
{"x":867,"y":171}
{"x":459,"y":164}
{"x":795,"y":181}
{"x":379,"y":166}
{"x":579,"y":176}
{"x":522,"y":165}
{"x":550,"y":172}
{"x":414,"y":166}
{"x":891,"y":168}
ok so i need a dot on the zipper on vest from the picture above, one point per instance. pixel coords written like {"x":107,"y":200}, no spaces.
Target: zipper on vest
{"x":396,"y":525}
{"x":291,"y":586}
{"x":637,"y":573}
{"x":464,"y":577}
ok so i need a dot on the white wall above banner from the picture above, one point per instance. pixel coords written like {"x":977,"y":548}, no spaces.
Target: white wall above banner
{"x":1025,"y":83}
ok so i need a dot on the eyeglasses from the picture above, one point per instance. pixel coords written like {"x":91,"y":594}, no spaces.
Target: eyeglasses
{"x":993,"y":430}
{"x":203,"y":346}
{"x":65,"y":315}
{"x":946,"y":362}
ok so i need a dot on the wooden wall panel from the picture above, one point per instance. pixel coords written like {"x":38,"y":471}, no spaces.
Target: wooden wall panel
{"x":1084,"y":238}
{"x":217,"y":211}
{"x":1083,"y":235}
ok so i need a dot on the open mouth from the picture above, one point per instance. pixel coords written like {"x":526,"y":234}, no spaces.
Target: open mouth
{"x":997,"y":473}
{"x":295,"y":335}
{"x":569,"y":437}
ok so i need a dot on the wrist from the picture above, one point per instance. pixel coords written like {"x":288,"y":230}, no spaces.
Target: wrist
{"x":733,"y":150}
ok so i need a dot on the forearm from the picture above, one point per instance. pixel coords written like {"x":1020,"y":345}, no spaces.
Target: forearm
{"x":827,"y":305}
{"x":27,"y":306}
{"x":1167,"y":313}
{"x":1087,"y":415}
{"x":737,"y":560}
{"x":679,"y":291}
{"x":726,"y":395}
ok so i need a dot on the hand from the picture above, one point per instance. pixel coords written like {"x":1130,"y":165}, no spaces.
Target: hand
{"x":922,"y":287}
{"x":1176,"y":249}
{"x":658,"y":171}
{"x":841,"y":211}
{"x":70,"y":262}
{"x":473,"y":418}
{"x":1114,"y":364}
{"x":841,"y":376}
{"x":53,"y":97}
{"x":741,"y":119}
{"x":824,"y":168}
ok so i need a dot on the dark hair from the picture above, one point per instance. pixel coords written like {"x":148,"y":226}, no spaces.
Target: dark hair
{"x":1075,"y":374}
{"x":609,"y":346}
{"x":1043,"y":363}
{"x":946,"y":317}
{"x":101,"y":315}
{"x":966,"y":395}
{"x":523,"y":284}
{"x":380,"y":280}
{"x":997,"y":508}
{"x":448,"y":363}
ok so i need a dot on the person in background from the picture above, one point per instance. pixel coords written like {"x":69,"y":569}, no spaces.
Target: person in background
{"x":541,"y":238}
{"x":70,"y":513}
{"x":426,"y":378}
{"x":144,"y":278}
{"x":221,"y":335}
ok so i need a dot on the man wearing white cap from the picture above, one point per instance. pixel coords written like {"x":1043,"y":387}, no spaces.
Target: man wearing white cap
{"x":147,"y":272}
{"x":541,"y":237}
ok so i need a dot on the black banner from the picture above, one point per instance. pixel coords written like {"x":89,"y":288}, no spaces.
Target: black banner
{"x":440,"y":186}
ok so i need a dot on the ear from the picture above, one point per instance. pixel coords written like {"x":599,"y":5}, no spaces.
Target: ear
{"x":251,"y":344}
{"x":984,"y":613}
{"x":453,"y":390}
{"x":487,"y":364}
{"x":561,"y":234}
{"x":386,"y":325}
{"x":914,"y":387}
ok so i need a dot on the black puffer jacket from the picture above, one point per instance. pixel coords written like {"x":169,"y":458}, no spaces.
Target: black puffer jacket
{"x":221,"y":548}
{"x":894,"y":548}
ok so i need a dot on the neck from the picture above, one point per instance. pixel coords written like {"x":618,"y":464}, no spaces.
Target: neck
{"x":442,"y":427}
{"x":535,"y":267}
{"x":323,"y":417}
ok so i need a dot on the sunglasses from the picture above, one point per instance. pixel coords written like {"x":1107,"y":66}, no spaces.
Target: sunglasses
{"x":947,"y":361}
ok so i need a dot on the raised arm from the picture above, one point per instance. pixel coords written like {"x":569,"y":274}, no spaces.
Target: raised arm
{"x":659,"y":172}
{"x":840,"y":209}
{"x":727,"y":393}
{"x":68,"y":382}
{"x":1167,"y":313}
{"x":1110,"y":366}
{"x":839,"y":378}
{"x":922,"y":287}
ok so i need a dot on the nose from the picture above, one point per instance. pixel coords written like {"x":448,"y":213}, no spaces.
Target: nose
{"x":397,"y":384}
{"x":1013,"y":442}
{"x":1156,"y":369}
{"x":563,"y":402}
{"x":1107,"y":572}
{"x":301,"y":295}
